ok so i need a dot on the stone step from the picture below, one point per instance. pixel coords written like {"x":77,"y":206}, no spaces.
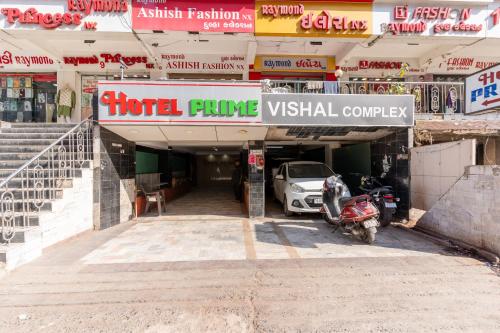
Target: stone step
{"x":22,"y":235}
{"x":19,"y":194}
{"x":24,"y":142}
{"x":16,"y":254}
{"x":32,"y":205}
{"x":35,"y":130}
{"x":4,"y":173}
{"x":15,"y":164}
{"x":45,"y":136}
{"x":38,"y":125}
{"x":23,"y":149}
{"x":16,"y":156}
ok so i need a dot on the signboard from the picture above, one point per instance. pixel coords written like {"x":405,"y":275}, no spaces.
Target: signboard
{"x":434,"y":20}
{"x":107,"y":59}
{"x":337,"y":110}
{"x":314,"y":19}
{"x":204,"y":63}
{"x":179,"y":102}
{"x":66,"y":15}
{"x":380,"y":67}
{"x":270,"y":63}
{"x":482,"y":90}
{"x":26,"y":60}
{"x":206,"y":16}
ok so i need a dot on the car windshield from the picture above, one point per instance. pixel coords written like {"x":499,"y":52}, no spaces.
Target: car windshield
{"x":309,"y":171}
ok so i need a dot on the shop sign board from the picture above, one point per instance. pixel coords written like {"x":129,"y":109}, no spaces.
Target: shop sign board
{"x":435,"y":20}
{"x":26,"y":60}
{"x":337,"y":110}
{"x":106,"y":59}
{"x":179,"y":102}
{"x":276,"y":63}
{"x":482,"y":91}
{"x":204,"y":63}
{"x":71,"y":15}
{"x":463,"y":65}
{"x":194,"y":15}
{"x":314,"y":19}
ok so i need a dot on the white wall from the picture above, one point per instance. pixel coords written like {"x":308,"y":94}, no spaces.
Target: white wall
{"x":435,"y":168}
{"x":470,"y":210}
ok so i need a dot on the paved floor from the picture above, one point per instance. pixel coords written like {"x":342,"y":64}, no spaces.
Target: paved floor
{"x":219,"y":272}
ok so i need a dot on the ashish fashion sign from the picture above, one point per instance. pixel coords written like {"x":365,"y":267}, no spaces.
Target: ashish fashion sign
{"x":313,"y":18}
{"x":218,"y":103}
{"x":338,"y":110}
{"x":207,"y":16}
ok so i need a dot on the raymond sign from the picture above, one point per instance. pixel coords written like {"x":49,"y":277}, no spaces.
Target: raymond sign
{"x":338,"y":110}
{"x":155,"y":102}
{"x":482,"y":90}
{"x":313,"y":18}
{"x":269,"y":63}
{"x":93,"y":15}
{"x":207,"y":16}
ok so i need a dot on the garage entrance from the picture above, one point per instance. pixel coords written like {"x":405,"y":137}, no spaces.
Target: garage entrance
{"x":352,"y":152}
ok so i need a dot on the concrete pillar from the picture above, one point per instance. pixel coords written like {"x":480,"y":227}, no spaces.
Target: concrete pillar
{"x":490,"y":156}
{"x":256,"y":181}
{"x":329,"y":153}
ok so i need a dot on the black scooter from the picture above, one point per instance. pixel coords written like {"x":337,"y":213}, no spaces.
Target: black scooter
{"x":383,"y":197}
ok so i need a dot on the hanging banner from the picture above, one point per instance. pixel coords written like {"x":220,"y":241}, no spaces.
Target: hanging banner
{"x":337,"y":110}
{"x":482,"y":91}
{"x":278,"y":63}
{"x":179,"y":102}
{"x":314,"y":19}
{"x":206,"y":16}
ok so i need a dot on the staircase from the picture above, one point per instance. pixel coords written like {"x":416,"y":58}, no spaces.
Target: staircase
{"x":43,"y":169}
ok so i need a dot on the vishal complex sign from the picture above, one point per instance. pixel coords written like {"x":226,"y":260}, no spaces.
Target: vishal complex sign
{"x":180,"y":102}
{"x":482,"y":91}
{"x":338,"y":110}
{"x":237,"y":103}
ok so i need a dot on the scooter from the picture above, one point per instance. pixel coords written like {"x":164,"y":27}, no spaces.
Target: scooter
{"x":382,"y":196}
{"x":356,"y":215}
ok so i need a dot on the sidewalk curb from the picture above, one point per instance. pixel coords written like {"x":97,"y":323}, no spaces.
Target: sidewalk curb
{"x":441,"y":240}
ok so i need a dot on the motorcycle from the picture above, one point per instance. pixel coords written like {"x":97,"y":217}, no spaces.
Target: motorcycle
{"x":356,"y":215}
{"x":382,"y":196}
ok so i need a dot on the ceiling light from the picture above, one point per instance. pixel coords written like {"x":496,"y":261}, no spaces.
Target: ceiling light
{"x":364,"y":79}
{"x":157,"y":31}
{"x":377,"y":79}
{"x":89,"y":41}
{"x":215,"y":148}
{"x":316,"y":43}
{"x":355,"y":79}
{"x":413,"y":44}
{"x":229,"y":33}
{"x":155,"y":45}
{"x":135,"y":75}
{"x":203,"y":40}
{"x":243,"y":131}
{"x":193,"y":32}
{"x":274,"y":147}
{"x":389,"y":79}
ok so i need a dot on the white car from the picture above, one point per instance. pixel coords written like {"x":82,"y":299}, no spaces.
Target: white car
{"x":298,"y":186}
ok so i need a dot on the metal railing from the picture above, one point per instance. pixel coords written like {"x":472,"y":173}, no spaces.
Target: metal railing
{"x":38,"y":181}
{"x":430,"y":97}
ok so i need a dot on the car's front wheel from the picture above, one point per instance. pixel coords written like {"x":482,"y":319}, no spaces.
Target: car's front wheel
{"x":285,"y":208}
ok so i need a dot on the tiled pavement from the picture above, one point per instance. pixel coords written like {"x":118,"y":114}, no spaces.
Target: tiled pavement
{"x":209,"y":225}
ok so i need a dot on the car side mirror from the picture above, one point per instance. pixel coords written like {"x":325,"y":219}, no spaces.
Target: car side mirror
{"x":280,"y":177}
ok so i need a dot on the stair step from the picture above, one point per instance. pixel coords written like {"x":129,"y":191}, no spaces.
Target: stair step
{"x":10,"y":156}
{"x":27,"y":125}
{"x":15,"y":142}
{"x":23,"y":149}
{"x":77,"y":172}
{"x":45,"y":193}
{"x":14,"y":164}
{"x":31,"y":136}
{"x":22,"y":235}
{"x":35,"y":130}
{"x":17,"y":182}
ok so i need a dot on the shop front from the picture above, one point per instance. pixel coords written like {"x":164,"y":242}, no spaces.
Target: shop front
{"x":220,"y":139}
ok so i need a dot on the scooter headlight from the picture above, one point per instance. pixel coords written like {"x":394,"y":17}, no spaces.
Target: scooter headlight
{"x":296,"y":188}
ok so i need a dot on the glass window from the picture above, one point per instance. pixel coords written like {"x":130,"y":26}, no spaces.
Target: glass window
{"x":309,"y":171}
{"x":28,"y":97}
